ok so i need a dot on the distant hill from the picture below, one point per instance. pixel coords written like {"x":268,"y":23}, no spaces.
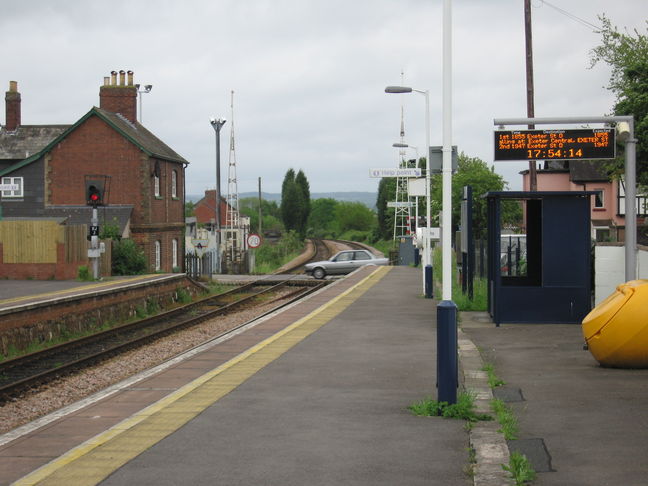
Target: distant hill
{"x":366,"y":198}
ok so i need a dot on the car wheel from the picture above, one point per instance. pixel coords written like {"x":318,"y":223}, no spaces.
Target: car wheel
{"x":319,"y":273}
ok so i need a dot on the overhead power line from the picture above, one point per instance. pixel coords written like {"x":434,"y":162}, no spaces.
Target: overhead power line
{"x":585,"y":23}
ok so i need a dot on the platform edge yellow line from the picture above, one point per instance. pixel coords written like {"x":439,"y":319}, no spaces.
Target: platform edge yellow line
{"x":83,"y":449}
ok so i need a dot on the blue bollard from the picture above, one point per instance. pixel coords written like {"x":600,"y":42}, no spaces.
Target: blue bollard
{"x":429,"y":287}
{"x":447,"y":353}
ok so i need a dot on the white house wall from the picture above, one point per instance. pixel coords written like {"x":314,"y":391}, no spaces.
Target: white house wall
{"x":610,"y":269}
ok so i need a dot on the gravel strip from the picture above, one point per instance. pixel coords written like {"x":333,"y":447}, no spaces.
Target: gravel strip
{"x":69,"y":389}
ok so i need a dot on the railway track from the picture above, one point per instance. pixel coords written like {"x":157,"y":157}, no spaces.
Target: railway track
{"x":33,"y":370}
{"x":319,"y":250}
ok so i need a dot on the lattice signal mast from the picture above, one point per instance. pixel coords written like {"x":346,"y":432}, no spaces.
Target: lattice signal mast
{"x":232,"y":215}
{"x":402,"y":214}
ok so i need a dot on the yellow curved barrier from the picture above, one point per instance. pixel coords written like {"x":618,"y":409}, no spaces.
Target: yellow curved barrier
{"x":616,"y":330}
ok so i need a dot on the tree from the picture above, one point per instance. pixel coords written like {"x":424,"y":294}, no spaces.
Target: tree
{"x":476,"y":173}
{"x":249,"y":206}
{"x":190,"y":209}
{"x":321,"y":221}
{"x":289,"y":201}
{"x":305,"y":203}
{"x":295,"y":202}
{"x":354,"y":216}
{"x":127,"y":258}
{"x":627,"y":55}
{"x":386,"y":193}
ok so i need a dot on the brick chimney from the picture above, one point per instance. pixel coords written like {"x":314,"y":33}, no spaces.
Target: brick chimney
{"x":119,"y":97}
{"x":12,"y":103}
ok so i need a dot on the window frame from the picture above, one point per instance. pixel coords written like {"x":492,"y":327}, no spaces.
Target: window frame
{"x":20,"y":193}
{"x":158,"y":255}
{"x":174,"y":183}
{"x":174,"y":252}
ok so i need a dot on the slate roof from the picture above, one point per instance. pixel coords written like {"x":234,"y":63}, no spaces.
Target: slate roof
{"x":27,"y":140}
{"x":119,"y":215}
{"x":132,"y":131}
{"x":139,"y":135}
{"x":587,"y":171}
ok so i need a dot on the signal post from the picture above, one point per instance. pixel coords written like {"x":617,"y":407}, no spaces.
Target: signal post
{"x":95,"y":191}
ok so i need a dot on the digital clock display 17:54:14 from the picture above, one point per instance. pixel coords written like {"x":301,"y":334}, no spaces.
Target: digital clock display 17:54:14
{"x":581,"y":143}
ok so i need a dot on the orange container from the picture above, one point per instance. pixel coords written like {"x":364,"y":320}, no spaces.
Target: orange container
{"x":616,"y":330}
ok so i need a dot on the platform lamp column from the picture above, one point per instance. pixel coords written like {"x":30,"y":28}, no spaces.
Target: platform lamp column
{"x":217,"y":124}
{"x":427,"y":247}
{"x":447,"y":351}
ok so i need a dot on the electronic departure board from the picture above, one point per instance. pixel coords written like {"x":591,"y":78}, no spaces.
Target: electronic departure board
{"x":581,"y":143}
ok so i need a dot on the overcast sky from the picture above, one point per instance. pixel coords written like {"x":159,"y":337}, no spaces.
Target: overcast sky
{"x":308,"y":75}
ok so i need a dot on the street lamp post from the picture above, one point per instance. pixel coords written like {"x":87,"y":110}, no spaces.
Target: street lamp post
{"x":217,"y":124}
{"x":147,"y":89}
{"x":427,"y":249}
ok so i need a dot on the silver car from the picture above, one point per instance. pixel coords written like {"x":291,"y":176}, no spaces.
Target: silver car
{"x":343,"y":262}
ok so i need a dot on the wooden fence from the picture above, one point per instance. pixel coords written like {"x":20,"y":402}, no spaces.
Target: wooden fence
{"x":46,"y":249}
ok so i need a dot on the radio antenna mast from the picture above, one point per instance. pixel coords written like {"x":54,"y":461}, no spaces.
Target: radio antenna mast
{"x":232,"y":215}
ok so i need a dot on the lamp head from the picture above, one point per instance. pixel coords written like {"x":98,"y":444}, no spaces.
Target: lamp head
{"x":217,"y":122}
{"x":623,"y":131}
{"x":398,"y":89}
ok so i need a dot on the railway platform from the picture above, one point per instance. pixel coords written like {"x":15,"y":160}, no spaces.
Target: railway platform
{"x":314,"y":394}
{"x":18,"y":293}
{"x":318,"y":393}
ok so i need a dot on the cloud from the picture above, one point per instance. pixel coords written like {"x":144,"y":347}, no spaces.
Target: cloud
{"x":308,"y":77}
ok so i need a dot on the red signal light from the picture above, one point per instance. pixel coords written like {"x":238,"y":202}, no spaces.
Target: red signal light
{"x":93,"y":196}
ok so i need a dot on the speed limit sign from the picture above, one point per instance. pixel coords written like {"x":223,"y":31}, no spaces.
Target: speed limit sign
{"x":254,"y":240}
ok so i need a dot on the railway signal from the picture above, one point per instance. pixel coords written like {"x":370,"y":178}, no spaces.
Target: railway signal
{"x":94,"y":193}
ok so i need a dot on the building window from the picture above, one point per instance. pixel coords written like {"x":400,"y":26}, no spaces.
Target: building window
{"x":603,"y":234}
{"x":174,"y":183}
{"x":156,"y":185}
{"x":599,"y":200}
{"x":158,"y":255}
{"x":174,"y":248}
{"x":16,"y":190}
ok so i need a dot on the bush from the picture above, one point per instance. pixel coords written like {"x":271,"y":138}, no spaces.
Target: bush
{"x":83,"y":274}
{"x":270,"y":257}
{"x":128,"y":258}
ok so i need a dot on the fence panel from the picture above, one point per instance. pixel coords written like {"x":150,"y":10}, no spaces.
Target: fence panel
{"x":76,"y":243}
{"x":30,"y":241}
{"x":198,"y":266}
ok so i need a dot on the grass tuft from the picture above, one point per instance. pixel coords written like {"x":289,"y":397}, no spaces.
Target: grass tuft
{"x":464,"y":409}
{"x":493,"y":380}
{"x":520,"y":469}
{"x":507,"y":420}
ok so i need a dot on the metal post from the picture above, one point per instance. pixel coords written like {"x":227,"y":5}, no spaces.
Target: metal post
{"x":428,"y":243}
{"x":447,"y":355}
{"x":260,"y":212}
{"x":429,"y":288}
{"x":631,"y":205}
{"x":94,"y":244}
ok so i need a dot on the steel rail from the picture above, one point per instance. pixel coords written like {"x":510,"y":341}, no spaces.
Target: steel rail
{"x":68,"y":357}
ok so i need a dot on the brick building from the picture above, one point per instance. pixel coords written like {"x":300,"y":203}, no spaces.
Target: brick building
{"x":607,"y":206}
{"x":205,"y":210}
{"x":49,"y":165}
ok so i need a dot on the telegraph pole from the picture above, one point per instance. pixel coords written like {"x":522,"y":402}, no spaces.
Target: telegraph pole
{"x":533,"y":177}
